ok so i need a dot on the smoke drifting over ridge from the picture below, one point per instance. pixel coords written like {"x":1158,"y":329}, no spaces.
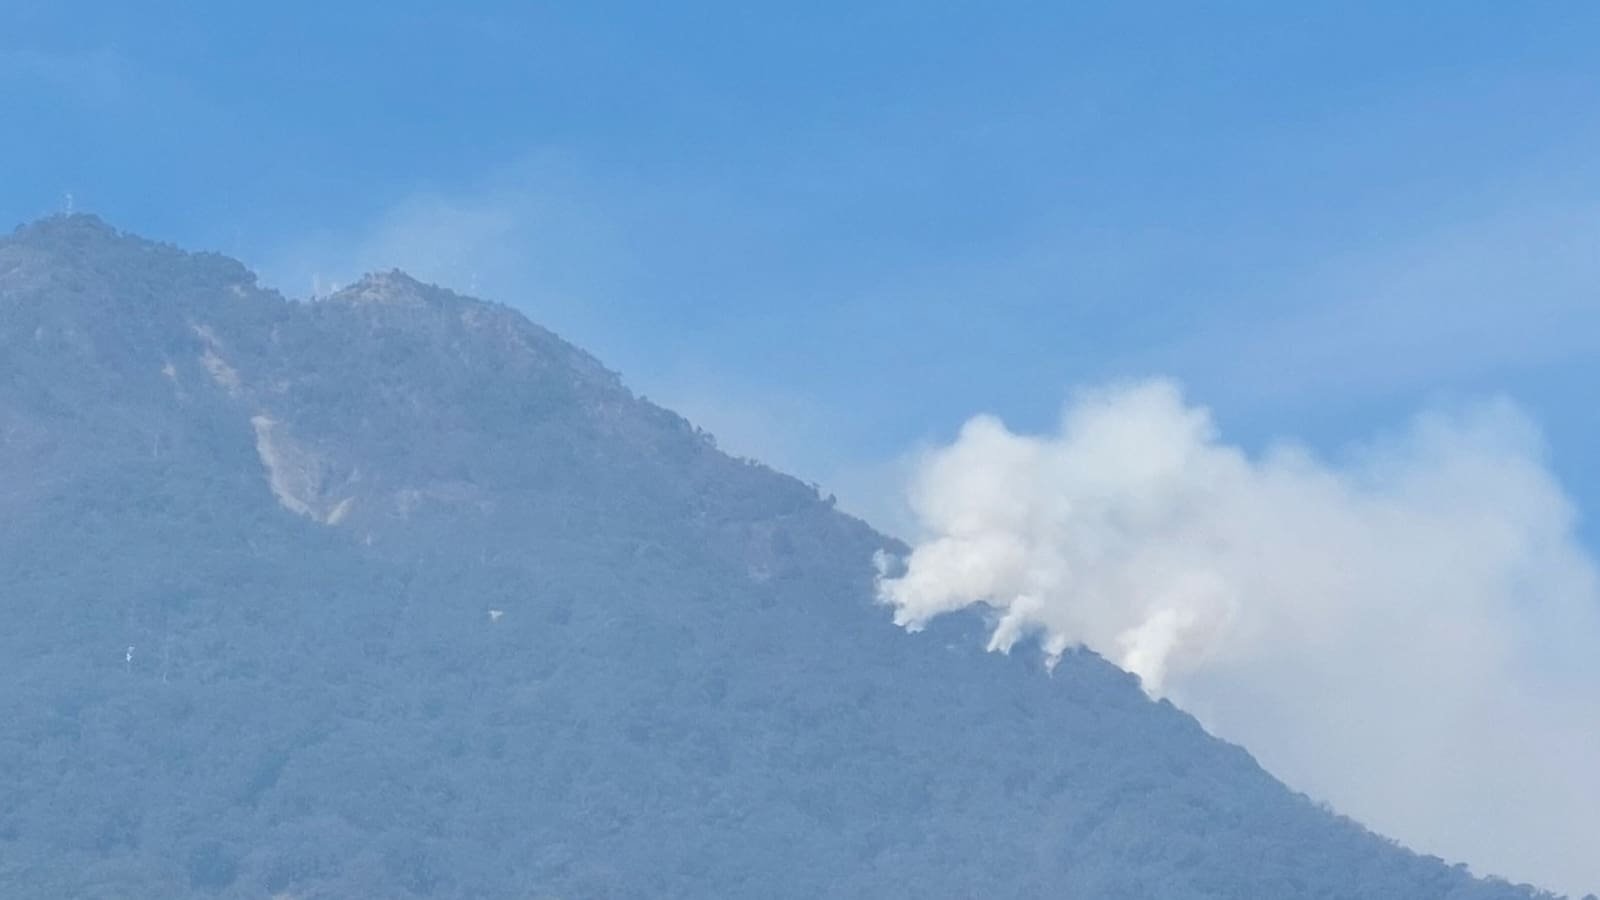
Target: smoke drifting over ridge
{"x":1409,"y":633}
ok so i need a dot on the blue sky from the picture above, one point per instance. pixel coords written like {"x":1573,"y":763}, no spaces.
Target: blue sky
{"x":832,"y":232}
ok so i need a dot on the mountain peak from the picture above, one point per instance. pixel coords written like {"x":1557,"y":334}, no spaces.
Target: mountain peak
{"x":391,"y":288}
{"x":86,"y":236}
{"x":100,"y":257}
{"x":86,"y":224}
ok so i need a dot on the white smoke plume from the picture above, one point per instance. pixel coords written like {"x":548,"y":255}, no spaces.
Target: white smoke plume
{"x":1411,"y":632}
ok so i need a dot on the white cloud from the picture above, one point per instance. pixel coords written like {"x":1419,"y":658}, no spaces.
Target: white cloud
{"x":1408,"y":632}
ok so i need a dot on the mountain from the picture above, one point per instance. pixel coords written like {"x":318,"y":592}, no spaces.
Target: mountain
{"x":396,"y":594}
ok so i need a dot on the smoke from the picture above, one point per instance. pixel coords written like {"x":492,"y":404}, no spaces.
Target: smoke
{"x":1409,"y":632}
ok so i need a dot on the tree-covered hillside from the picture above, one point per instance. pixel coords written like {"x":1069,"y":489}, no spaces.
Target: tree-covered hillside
{"x":396,"y":594}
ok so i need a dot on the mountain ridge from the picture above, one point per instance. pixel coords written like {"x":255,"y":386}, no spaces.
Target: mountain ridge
{"x":395,"y":592}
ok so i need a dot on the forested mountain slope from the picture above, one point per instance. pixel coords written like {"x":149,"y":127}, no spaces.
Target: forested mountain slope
{"x":397,"y":594}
